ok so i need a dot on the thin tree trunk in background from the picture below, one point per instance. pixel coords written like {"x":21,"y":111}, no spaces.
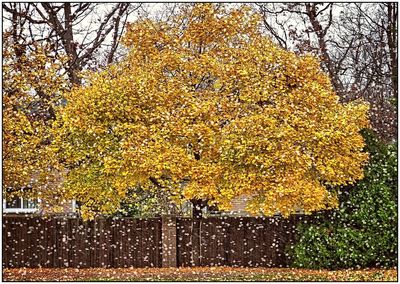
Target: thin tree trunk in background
{"x":391,"y":30}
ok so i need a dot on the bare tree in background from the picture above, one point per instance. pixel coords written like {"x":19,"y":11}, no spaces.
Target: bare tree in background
{"x":357,"y":45}
{"x":88,"y":33}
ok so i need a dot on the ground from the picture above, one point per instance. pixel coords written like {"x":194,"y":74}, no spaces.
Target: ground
{"x":196,"y":274}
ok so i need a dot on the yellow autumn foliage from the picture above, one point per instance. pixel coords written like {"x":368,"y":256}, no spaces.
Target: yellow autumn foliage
{"x":207,"y":107}
{"x":31,"y":85}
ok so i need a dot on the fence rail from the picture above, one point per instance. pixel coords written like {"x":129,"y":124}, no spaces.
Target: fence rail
{"x":133,"y":242}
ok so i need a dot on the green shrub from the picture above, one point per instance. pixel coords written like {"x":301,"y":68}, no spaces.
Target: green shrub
{"x":362,"y":232}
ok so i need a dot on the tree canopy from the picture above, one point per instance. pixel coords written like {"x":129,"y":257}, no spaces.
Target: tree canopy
{"x":207,"y":107}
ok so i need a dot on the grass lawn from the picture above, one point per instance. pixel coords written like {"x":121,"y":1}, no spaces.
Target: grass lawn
{"x":196,"y":274}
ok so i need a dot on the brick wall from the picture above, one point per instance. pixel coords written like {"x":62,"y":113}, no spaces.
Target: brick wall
{"x":239,"y":205}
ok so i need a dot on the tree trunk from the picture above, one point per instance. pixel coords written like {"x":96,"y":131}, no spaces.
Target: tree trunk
{"x":198,"y":205}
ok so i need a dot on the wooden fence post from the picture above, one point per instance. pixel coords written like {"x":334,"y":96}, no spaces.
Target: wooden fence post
{"x":168,"y":236}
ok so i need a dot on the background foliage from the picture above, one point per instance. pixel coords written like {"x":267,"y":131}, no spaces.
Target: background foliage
{"x":363,"y":231}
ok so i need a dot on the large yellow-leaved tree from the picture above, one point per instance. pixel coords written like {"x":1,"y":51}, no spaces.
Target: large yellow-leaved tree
{"x":207,"y":107}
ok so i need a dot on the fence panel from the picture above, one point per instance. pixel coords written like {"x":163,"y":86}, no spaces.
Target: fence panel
{"x":235,"y":241}
{"x":70,"y":242}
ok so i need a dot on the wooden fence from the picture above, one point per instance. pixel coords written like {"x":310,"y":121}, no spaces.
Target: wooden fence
{"x":70,"y":242}
{"x":131,"y":242}
{"x":235,"y":241}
